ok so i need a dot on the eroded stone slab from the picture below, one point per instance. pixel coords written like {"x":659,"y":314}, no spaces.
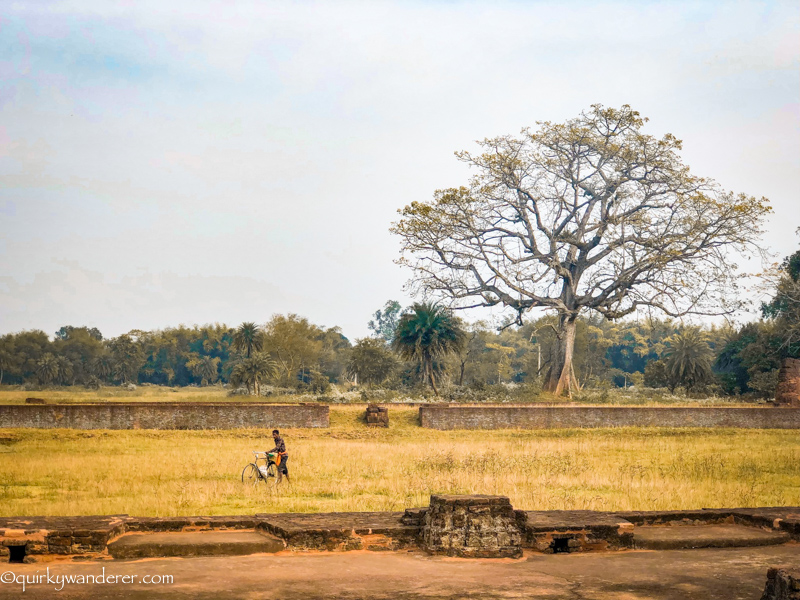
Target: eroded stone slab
{"x":195,"y":543}
{"x":705,"y":536}
{"x":341,"y":531}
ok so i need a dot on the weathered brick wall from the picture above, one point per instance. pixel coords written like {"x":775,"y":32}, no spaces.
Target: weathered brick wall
{"x":164,"y":415}
{"x":555,"y":417}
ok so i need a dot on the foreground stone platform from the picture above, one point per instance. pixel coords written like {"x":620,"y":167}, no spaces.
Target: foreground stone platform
{"x":707,"y":574}
{"x":193,"y":543}
{"x":477,"y":526}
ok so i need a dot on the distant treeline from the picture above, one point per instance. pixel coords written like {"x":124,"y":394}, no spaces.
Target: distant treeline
{"x":291,"y":352}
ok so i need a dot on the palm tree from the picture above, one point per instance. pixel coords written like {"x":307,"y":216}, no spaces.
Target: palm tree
{"x":426,"y":334}
{"x":252,"y":371}
{"x":689,"y":359}
{"x":102,"y":366}
{"x":205,"y":368}
{"x":248,"y":338}
{"x":65,"y":370}
{"x":47,"y":368}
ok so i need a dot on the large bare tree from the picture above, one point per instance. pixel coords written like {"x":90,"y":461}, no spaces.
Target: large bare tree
{"x":587,"y":215}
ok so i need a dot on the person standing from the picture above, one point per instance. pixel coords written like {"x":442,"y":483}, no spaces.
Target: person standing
{"x":283,"y":456}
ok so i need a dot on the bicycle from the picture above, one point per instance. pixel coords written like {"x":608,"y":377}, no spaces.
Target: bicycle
{"x":253,"y":473}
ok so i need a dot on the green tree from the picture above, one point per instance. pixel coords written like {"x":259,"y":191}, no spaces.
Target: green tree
{"x":296,"y":345}
{"x":371,"y":362}
{"x":587,"y":216}
{"x":688,"y":360}
{"x":127,"y":358}
{"x":252,"y":372}
{"x":427,"y":333}
{"x":384,"y":322}
{"x":47,"y":368}
{"x":79,"y":346}
{"x":102,"y":365}
{"x":205,"y":368}
{"x":8,"y":356}
{"x":784,"y":308}
{"x":66,"y":371}
{"x":248,"y":338}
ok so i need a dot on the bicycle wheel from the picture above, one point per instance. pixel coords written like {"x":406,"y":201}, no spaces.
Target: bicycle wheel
{"x":250,"y":474}
{"x":272,"y":472}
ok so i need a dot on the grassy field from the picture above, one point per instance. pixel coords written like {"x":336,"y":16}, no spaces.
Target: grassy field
{"x":350,"y":467}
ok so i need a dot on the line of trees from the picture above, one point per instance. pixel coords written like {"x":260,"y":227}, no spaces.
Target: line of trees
{"x":423,"y":345}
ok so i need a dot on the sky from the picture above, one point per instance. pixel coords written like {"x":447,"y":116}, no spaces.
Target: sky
{"x":166,"y":163}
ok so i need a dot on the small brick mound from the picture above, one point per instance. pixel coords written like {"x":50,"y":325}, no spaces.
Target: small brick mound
{"x":377,"y":416}
{"x":782,"y":585}
{"x":472,"y":527}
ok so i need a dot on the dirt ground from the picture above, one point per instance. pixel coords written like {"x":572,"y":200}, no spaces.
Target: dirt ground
{"x":720,"y":574}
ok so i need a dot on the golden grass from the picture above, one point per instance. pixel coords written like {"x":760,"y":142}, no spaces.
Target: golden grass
{"x":350,"y":467}
{"x":77,"y":394}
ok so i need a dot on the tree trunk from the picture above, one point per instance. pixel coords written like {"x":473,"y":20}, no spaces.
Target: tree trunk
{"x":429,"y":372}
{"x":433,"y":382}
{"x":561,"y":378}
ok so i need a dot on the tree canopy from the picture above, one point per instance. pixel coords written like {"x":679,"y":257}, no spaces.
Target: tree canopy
{"x":587,"y":215}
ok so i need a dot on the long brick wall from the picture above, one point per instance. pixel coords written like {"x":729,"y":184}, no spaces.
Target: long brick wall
{"x":164,"y":415}
{"x":555,"y":417}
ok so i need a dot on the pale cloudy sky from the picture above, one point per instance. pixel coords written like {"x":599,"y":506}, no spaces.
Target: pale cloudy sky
{"x":166,"y":162}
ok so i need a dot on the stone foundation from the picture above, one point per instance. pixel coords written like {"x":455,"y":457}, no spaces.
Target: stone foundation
{"x":472,"y":527}
{"x":463,"y":526}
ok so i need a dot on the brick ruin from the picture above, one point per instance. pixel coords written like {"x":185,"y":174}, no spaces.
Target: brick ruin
{"x":461,"y":526}
{"x":788,"y":390}
{"x":782,"y":585}
{"x":377,"y":416}
{"x":472,"y":527}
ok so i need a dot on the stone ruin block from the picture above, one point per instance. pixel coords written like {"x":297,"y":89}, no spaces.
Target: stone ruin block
{"x":377,"y":416}
{"x":781,"y":585}
{"x":472,"y":527}
{"x":788,"y":390}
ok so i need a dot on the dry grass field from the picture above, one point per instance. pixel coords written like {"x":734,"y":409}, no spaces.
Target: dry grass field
{"x":350,"y":467}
